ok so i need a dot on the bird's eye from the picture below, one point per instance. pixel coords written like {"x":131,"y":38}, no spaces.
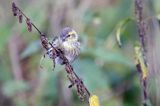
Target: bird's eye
{"x":68,"y":35}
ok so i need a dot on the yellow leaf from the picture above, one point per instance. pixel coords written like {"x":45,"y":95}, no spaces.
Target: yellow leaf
{"x":139,"y":60}
{"x":94,"y":101}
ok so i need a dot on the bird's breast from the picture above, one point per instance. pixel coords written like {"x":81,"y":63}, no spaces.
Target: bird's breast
{"x":71,"y":50}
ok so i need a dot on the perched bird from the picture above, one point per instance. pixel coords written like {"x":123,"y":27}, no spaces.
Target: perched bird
{"x":68,"y":42}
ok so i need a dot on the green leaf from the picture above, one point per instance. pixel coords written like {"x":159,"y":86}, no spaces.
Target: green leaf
{"x":112,"y":57}
{"x":120,"y":28}
{"x":11,"y":88}
{"x":92,"y":76}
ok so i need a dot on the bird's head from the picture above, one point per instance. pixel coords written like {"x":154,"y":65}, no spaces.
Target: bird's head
{"x":68,"y":35}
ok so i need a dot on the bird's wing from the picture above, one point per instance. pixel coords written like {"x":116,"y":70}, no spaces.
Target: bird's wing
{"x":55,"y":42}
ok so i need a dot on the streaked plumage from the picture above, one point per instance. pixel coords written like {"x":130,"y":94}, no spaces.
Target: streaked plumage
{"x":67,"y":41}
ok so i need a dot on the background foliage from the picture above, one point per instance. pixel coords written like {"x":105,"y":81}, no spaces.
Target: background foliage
{"x":107,"y":70}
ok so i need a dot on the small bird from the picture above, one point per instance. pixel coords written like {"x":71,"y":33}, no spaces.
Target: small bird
{"x":68,"y":42}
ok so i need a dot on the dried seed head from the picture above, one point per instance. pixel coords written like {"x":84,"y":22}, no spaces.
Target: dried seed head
{"x":14,"y":9}
{"x":20,"y":17}
{"x":67,"y":69}
{"x":29,"y":24}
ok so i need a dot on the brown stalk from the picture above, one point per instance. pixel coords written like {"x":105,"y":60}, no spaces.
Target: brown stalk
{"x":142,"y":35}
{"x":16,"y":66}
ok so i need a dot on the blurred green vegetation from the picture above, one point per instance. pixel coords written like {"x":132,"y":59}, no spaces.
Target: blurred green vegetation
{"x":107,"y":70}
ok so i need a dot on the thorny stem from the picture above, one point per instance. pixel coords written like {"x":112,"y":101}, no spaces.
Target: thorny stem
{"x":82,"y":91}
{"x":142,"y":35}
